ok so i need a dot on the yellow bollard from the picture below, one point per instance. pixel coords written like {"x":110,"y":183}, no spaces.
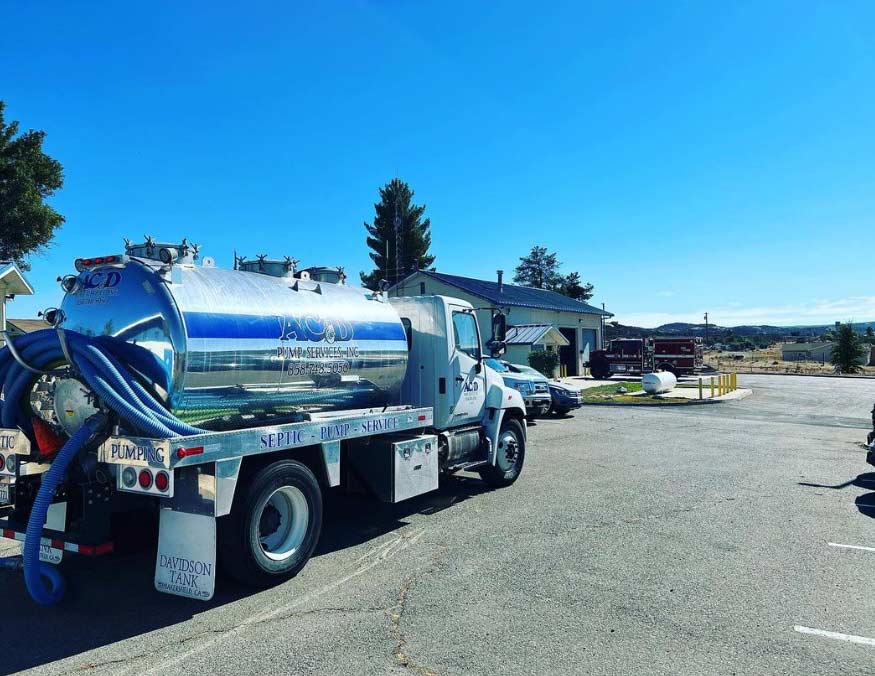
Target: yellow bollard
{"x":700,"y":387}
{"x":734,"y":380}
{"x":712,"y":387}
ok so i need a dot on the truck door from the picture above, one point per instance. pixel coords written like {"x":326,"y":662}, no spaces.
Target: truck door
{"x":469,"y":381}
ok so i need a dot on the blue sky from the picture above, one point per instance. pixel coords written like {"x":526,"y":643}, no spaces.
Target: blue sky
{"x":682,"y":156}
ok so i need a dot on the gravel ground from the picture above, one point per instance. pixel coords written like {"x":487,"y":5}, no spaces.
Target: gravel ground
{"x":685,"y":540}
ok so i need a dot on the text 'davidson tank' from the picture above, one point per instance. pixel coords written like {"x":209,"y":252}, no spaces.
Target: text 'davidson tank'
{"x":231,"y":342}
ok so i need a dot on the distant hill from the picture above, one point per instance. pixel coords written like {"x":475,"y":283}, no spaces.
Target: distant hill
{"x":720,"y":333}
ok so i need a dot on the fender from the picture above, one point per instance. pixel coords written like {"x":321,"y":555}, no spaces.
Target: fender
{"x":501,"y":400}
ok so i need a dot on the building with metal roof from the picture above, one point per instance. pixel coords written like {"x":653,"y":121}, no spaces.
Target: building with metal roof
{"x":578,"y":323}
{"x":18,"y":327}
{"x":12,"y":284}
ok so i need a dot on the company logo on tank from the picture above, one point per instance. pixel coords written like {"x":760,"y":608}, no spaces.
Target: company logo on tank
{"x":96,"y":288}
{"x":315,"y":329}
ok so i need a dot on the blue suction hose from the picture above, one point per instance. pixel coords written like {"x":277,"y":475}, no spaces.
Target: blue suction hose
{"x":34,"y":569}
{"x":117,"y":389}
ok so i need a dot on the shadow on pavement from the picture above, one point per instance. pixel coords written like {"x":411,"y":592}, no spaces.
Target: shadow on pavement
{"x":112,"y":599}
{"x":865,"y":503}
{"x":351,"y":520}
{"x":866,"y":480}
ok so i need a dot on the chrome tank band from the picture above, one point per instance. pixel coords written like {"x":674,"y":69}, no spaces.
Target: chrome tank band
{"x":219,"y":343}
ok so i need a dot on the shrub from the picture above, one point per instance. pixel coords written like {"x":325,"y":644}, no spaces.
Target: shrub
{"x":543,"y":361}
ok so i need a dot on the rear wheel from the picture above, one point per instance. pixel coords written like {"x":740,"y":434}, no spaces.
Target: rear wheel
{"x":274,"y":525}
{"x":510,"y":453}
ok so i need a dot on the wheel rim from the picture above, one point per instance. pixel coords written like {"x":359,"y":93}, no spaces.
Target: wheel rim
{"x":508,"y":450}
{"x":282,"y":523}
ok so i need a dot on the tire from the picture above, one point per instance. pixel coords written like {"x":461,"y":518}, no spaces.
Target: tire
{"x":560,"y":411}
{"x":671,"y":369}
{"x":274,"y":525}
{"x":507,"y":469}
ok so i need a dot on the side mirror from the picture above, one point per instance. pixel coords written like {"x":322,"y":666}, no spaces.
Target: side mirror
{"x":499,"y":327}
{"x":497,"y":348}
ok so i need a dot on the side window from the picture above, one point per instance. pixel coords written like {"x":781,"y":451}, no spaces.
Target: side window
{"x":465,"y":334}
{"x":408,"y":330}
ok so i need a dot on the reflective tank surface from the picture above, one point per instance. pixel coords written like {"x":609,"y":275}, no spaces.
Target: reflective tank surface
{"x":217,"y":343}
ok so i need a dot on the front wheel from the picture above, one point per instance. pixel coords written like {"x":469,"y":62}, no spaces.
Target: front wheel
{"x":510,"y":453}
{"x":274,"y":525}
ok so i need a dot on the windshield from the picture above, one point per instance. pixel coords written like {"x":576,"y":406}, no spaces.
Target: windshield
{"x":496,"y":365}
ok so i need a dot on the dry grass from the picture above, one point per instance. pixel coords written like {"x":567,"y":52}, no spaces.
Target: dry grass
{"x":769,"y":360}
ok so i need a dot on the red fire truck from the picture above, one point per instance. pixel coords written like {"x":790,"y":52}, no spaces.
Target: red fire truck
{"x":680,"y":355}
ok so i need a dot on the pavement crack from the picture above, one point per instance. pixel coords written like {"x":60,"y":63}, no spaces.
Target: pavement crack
{"x":221,"y":630}
{"x":395,"y":613}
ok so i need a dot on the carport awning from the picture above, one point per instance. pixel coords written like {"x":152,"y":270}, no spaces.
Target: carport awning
{"x":531,"y":334}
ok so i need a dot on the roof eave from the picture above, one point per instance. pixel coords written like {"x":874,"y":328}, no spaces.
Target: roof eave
{"x":14,"y":282}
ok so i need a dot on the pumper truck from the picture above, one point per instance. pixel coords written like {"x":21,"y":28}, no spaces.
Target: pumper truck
{"x":229,"y":401}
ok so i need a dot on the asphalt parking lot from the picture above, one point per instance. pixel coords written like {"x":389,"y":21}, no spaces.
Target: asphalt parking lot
{"x":693,"y":540}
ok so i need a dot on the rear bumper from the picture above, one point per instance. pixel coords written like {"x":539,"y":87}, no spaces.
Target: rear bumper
{"x":55,"y":540}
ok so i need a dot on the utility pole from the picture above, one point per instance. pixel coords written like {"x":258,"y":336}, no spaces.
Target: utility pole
{"x":706,"y":328}
{"x":398,"y":246}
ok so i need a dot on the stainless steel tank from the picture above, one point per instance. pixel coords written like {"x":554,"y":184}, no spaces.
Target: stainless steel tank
{"x":218,"y":343}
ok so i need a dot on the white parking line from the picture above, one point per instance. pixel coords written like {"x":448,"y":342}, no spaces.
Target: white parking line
{"x":865,"y":549}
{"x":836,"y":635}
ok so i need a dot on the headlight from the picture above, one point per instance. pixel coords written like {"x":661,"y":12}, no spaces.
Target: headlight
{"x":523,"y":387}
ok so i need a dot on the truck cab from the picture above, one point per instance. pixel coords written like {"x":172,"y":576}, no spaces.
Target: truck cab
{"x":446,"y":372}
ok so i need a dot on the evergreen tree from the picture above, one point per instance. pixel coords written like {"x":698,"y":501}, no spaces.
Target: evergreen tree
{"x":395,"y":212}
{"x":27,"y":177}
{"x":571,"y":286}
{"x":540,"y":270}
{"x":848,"y":349}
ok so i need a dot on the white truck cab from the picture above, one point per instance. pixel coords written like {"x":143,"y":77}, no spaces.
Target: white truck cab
{"x":471,"y":402}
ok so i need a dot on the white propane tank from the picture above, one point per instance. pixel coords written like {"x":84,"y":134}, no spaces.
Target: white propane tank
{"x":658,"y":383}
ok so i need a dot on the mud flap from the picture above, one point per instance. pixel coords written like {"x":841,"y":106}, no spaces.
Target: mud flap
{"x":186,"y":560}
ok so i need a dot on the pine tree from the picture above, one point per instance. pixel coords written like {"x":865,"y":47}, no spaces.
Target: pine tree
{"x":571,"y":286}
{"x":395,"y":212}
{"x":848,"y":350}
{"x":27,"y":177}
{"x":540,"y":270}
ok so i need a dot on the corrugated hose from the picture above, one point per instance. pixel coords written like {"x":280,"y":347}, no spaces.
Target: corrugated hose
{"x":116,"y":388}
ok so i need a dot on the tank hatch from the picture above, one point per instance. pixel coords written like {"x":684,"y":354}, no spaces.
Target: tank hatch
{"x":163,"y":252}
{"x":287,"y":267}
